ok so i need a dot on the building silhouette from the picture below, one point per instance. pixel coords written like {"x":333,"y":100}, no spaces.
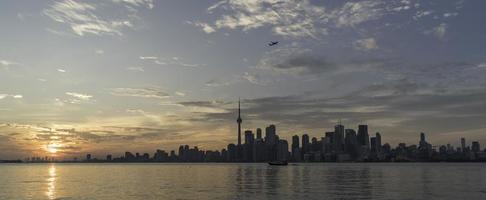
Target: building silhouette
{"x":339,"y":145}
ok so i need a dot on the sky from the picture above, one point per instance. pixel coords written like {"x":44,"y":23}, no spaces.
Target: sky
{"x":110,"y":76}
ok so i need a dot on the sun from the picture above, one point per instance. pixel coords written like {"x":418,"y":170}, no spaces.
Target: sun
{"x":52,"y":148}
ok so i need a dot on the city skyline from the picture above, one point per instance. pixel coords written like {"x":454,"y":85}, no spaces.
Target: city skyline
{"x":340,"y":145}
{"x":91,"y":76}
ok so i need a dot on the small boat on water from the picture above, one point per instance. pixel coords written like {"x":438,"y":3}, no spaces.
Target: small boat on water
{"x":281,"y":163}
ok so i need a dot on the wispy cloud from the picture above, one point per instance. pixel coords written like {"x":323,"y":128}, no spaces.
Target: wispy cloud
{"x":99,"y":51}
{"x":79,"y":95}
{"x":140,"y":92}
{"x":137,"y":69}
{"x":15,"y":96}
{"x":366,"y":44}
{"x":179,"y":93}
{"x":204,"y":26}
{"x":438,"y":31}
{"x":306,"y":18}
{"x":170,"y":61}
{"x":86,"y":18}
{"x":7,"y":63}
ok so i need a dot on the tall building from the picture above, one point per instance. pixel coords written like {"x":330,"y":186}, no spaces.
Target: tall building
{"x":363,"y":137}
{"x":239,"y":148}
{"x":424,"y":148}
{"x":271,"y":140}
{"x":259,"y":133}
{"x":295,"y":148}
{"x":305,"y":144}
{"x":239,"y":120}
{"x":422,"y":139}
{"x":271,"y":135}
{"x":248,"y":146}
{"x":338,"y":139}
{"x":282,"y":150}
{"x":475,"y":147}
{"x":373,"y":144}
{"x":232,"y":154}
{"x":463,"y":144}
{"x":259,"y":150}
{"x":378,"y":141}
{"x":351,"y":143}
{"x":249,"y":137}
{"x":328,"y":142}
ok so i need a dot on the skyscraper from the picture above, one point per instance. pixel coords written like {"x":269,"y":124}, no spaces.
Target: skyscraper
{"x":259,"y":133}
{"x":363,"y":137}
{"x":351,"y":143}
{"x":271,"y":140}
{"x":270,"y":135}
{"x":282,"y":150}
{"x":463,"y":144}
{"x":328,"y":142}
{"x":295,"y":148}
{"x":248,"y":146}
{"x":305,"y":144}
{"x":378,"y":142}
{"x":338,"y":138}
{"x":475,"y":147}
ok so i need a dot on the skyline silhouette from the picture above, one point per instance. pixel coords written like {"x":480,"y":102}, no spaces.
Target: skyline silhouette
{"x":340,"y":145}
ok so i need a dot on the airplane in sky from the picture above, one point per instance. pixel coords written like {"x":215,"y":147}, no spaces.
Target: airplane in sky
{"x":272,"y":43}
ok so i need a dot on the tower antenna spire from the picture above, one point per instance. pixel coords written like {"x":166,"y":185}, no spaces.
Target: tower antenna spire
{"x":239,"y":120}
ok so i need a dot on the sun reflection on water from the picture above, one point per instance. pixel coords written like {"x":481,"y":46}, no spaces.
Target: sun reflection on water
{"x":51,"y":182}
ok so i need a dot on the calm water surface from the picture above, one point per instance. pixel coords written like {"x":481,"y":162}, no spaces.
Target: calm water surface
{"x":244,"y":181}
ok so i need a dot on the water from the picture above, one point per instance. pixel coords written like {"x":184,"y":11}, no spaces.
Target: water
{"x":244,"y":181}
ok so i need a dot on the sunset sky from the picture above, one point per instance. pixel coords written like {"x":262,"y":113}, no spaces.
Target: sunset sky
{"x":111,"y":76}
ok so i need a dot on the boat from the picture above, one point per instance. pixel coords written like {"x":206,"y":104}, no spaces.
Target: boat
{"x":281,"y":163}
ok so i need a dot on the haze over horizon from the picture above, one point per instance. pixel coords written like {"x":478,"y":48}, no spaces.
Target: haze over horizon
{"x":111,"y":76}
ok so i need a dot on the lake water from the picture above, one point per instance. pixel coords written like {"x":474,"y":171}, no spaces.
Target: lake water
{"x":244,"y":181}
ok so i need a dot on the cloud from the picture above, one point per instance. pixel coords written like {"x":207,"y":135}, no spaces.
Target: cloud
{"x":354,"y":13}
{"x":217,"y":82}
{"x":140,"y":92}
{"x":249,"y":77}
{"x":170,"y":61}
{"x":204,"y":26}
{"x":179,"y":93}
{"x":253,"y":78}
{"x":396,"y":106}
{"x":99,"y":52}
{"x":438,"y":31}
{"x":7,"y":63}
{"x":422,"y":13}
{"x":138,"y":69}
{"x":297,"y":18}
{"x":206,"y":106}
{"x":366,"y":44}
{"x":452,"y":14}
{"x":88,"y":18}
{"x":15,"y":96}
{"x":316,"y":19}
{"x":79,"y":96}
{"x":295,"y":61}
{"x":148,"y":58}
{"x":147,"y":3}
{"x":61,"y":70}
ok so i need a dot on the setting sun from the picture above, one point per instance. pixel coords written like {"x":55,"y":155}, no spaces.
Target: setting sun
{"x":52,"y":148}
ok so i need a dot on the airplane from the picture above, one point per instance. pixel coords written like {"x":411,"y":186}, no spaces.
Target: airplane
{"x":272,"y":43}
